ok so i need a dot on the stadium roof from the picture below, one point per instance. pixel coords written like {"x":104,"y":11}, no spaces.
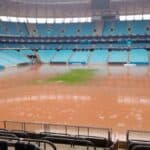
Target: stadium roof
{"x":72,"y":8}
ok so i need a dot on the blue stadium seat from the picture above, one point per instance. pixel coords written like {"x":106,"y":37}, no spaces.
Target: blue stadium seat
{"x":87,"y":29}
{"x":62,"y":56}
{"x":139,"y":56}
{"x":22,"y":29}
{"x":15,"y":29}
{"x":118,"y":56}
{"x":27,"y":52}
{"x":79,"y":57}
{"x":125,"y":28}
{"x":42,"y":29}
{"x":99,"y":56}
{"x":46,"y":55}
{"x":12,"y":58}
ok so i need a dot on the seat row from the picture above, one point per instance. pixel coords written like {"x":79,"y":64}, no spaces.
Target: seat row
{"x":9,"y":58}
{"x":102,"y":56}
{"x":76,"y":29}
{"x":135,"y":56}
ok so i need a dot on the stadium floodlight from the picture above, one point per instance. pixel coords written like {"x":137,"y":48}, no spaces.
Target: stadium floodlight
{"x":53,"y":2}
{"x":130,"y":17}
{"x":68,"y":20}
{"x":59,"y":20}
{"x":22,"y":19}
{"x":75,"y":20}
{"x":12,"y":19}
{"x":89,"y":19}
{"x":135,"y":17}
{"x":50,"y":20}
{"x":122,"y":18}
{"x":138,"y":17}
{"x":146,"y":17}
{"x":32,"y":20}
{"x":41,"y":20}
{"x":46,"y":20}
{"x":83,"y":19}
{"x":4,"y":18}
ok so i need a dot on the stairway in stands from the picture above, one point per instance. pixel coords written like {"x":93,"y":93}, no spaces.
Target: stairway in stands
{"x":89,"y":57}
{"x":99,"y":28}
{"x":32,"y":29}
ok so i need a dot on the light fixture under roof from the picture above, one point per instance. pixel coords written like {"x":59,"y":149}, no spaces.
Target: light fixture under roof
{"x":53,"y":2}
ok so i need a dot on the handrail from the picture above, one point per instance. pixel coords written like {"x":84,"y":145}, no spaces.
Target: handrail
{"x":29,"y":140}
{"x":72,"y":141}
{"x":66,"y":128}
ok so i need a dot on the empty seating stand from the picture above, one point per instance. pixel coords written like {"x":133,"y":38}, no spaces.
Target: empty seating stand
{"x":27,"y":52}
{"x":46,"y":55}
{"x":121,"y":28}
{"x":22,"y":29}
{"x":13,"y":29}
{"x":113,"y":28}
{"x":79,"y":57}
{"x":139,"y":56}
{"x":99,"y":56}
{"x":42,"y":29}
{"x":10,"y":58}
{"x":118,"y":57}
{"x":62,"y":57}
{"x":68,"y":30}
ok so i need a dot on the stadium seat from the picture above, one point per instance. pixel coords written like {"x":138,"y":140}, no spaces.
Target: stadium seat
{"x":62,"y":56}
{"x":99,"y":56}
{"x":121,"y":28}
{"x":46,"y":55}
{"x":12,"y":58}
{"x":139,"y":56}
{"x":118,"y":57}
{"x":79,"y":57}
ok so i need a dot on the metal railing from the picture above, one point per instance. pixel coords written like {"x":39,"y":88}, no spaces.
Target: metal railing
{"x":57,"y":128}
{"x":138,"y":135}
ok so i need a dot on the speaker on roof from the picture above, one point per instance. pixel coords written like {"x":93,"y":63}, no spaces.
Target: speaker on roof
{"x":100,"y":4}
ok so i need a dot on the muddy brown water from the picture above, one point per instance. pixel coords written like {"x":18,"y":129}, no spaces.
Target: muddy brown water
{"x":116,"y":97}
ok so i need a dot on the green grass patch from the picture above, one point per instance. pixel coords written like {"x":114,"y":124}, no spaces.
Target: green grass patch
{"x":73,"y":76}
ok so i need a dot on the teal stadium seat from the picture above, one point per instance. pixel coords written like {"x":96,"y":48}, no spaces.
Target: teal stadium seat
{"x":139,"y":56}
{"x":62,"y":56}
{"x":118,"y":56}
{"x":79,"y":57}
{"x":10,"y":58}
{"x":42,"y":29}
{"x":125,"y":28}
{"x":46,"y":55}
{"x":13,"y":29}
{"x":99,"y":56}
{"x":27,"y":52}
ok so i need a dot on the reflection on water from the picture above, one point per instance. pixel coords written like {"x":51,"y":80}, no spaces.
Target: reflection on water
{"x":102,"y":70}
{"x":129,"y":100}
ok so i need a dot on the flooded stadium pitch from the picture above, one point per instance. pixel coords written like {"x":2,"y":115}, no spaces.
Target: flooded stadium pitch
{"x":116,"y":97}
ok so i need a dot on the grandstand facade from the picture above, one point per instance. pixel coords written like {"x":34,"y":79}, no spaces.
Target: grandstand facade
{"x":109,"y":26}
{"x":118,"y":41}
